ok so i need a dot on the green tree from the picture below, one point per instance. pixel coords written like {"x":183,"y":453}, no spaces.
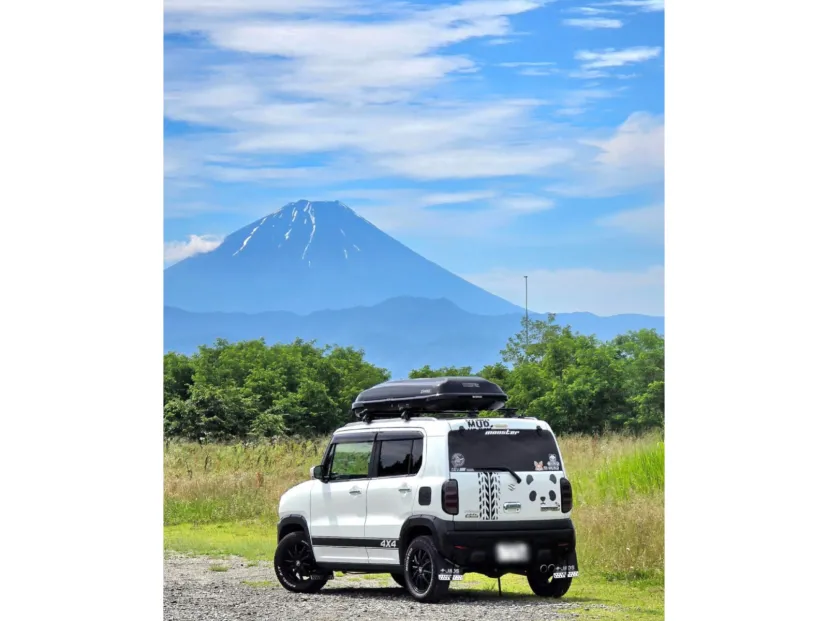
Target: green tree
{"x":427,"y":371}
{"x":178,"y":376}
{"x":580,"y":384}
{"x":181,"y":420}
{"x":228,"y":391}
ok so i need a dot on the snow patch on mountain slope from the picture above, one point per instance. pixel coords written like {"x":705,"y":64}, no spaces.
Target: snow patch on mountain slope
{"x":244,"y":243}
{"x":309,"y":209}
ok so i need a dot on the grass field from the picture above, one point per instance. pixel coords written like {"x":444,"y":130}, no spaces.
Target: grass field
{"x":222,"y":500}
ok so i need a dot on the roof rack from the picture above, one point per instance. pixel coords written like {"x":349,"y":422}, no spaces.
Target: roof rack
{"x":366,"y":415}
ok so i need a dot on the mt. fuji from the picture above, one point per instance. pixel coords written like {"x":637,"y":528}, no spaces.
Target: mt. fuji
{"x":312,"y":256}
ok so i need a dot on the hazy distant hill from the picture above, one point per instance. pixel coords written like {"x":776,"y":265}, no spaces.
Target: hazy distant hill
{"x":399,"y":334}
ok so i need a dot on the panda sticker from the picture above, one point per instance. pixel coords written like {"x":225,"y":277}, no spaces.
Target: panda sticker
{"x":542,"y":492}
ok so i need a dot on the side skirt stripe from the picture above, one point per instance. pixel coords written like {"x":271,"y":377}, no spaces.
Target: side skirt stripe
{"x":345,"y":542}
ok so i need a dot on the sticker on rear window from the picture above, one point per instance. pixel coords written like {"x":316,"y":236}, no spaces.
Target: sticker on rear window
{"x":551,"y":464}
{"x":478,"y":423}
{"x":457,"y":460}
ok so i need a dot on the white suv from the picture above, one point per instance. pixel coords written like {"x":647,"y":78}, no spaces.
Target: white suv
{"x":427,"y":494}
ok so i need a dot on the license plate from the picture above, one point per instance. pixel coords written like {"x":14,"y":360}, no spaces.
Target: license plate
{"x":512,"y":552}
{"x":450,"y":574}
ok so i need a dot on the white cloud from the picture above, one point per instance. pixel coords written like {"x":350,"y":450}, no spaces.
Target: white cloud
{"x":525,"y":203}
{"x":470,"y":163}
{"x":532,"y":71}
{"x":646,"y":222}
{"x":454,"y":198}
{"x":646,"y":6}
{"x":590,"y":10}
{"x":527,"y":64}
{"x":474,"y":214}
{"x":336,"y":98}
{"x":632,"y":157}
{"x":176,"y":251}
{"x":638,"y":143}
{"x":356,"y":60}
{"x":278,"y":7}
{"x":580,"y":289}
{"x":591,"y":74}
{"x":581,"y":97}
{"x":192,"y":208}
{"x":616,"y":58}
{"x":539,"y":68}
{"x":593,"y":23}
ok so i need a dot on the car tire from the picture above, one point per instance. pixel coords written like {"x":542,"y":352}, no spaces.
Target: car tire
{"x":422,"y":565}
{"x":543,"y":585}
{"x":399,"y":579}
{"x":295,"y":565}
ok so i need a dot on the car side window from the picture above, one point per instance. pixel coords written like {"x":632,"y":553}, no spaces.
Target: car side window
{"x":416,"y":455}
{"x":400,"y":457}
{"x":350,"y":460}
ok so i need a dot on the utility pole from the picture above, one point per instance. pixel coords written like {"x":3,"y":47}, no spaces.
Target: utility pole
{"x":526,"y":282}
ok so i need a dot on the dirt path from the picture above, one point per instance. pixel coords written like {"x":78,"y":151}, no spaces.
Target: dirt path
{"x":194,"y":591}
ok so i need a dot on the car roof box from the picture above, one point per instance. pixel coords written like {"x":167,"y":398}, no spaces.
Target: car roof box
{"x":429,"y":395}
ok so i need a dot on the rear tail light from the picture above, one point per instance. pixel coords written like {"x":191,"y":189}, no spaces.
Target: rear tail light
{"x":451,"y":497}
{"x":566,"y":496}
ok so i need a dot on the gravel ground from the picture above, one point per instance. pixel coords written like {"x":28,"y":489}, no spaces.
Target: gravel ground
{"x":192,"y":590}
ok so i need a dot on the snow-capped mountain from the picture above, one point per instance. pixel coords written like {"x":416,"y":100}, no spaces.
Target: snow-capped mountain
{"x":310,"y":256}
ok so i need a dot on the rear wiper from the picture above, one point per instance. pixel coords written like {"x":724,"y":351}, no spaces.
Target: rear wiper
{"x":502,"y":469}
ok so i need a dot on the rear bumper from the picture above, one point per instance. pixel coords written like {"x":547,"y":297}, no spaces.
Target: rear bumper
{"x":471,"y":545}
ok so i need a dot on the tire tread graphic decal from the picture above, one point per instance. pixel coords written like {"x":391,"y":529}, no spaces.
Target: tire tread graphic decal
{"x":488,"y":485}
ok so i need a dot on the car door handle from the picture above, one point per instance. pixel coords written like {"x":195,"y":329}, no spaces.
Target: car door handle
{"x":404,"y":490}
{"x":355,"y":491}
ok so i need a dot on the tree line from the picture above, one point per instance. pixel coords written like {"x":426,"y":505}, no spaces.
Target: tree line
{"x":577,"y":383}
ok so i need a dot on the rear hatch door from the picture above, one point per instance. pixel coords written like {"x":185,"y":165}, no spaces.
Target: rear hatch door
{"x":506,"y":469}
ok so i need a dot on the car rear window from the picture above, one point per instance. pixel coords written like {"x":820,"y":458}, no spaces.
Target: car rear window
{"x":518,"y":449}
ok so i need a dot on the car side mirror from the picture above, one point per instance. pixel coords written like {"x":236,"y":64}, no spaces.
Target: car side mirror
{"x":318,"y":472}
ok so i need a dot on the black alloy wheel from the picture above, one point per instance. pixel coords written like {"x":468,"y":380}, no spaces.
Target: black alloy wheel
{"x":422,"y":568}
{"x":295,"y":565}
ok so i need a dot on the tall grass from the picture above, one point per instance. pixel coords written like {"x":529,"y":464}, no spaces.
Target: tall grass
{"x":618,"y":485}
{"x":212,"y":483}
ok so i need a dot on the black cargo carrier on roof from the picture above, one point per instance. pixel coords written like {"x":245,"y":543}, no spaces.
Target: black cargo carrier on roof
{"x":425,"y":395}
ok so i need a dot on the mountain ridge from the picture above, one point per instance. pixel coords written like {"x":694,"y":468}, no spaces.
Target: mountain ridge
{"x":399,"y":334}
{"x":309,"y":256}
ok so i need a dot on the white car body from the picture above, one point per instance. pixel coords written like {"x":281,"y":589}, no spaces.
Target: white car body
{"x":365,"y":523}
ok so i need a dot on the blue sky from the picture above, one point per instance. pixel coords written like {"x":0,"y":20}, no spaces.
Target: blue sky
{"x":495,"y":137}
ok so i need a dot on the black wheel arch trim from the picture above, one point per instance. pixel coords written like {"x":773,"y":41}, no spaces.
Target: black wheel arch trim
{"x":287,"y":525}
{"x":436,"y":526}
